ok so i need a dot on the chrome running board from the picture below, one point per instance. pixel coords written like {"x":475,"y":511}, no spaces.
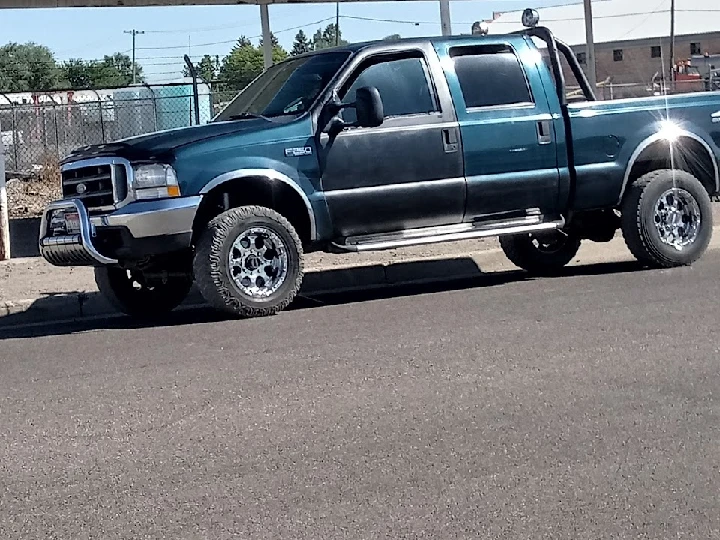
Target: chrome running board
{"x":447,"y":233}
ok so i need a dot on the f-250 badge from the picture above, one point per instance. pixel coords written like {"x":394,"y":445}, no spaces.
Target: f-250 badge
{"x":298,"y":152}
{"x":716,"y":117}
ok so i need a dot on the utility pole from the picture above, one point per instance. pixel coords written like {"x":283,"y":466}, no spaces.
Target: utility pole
{"x":134,"y":33}
{"x":445,"y":25}
{"x":590,"y":41}
{"x":672,"y":41}
{"x":337,"y":23}
{"x":266,"y":36}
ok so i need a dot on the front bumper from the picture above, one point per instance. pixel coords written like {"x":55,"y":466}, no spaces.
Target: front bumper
{"x":138,"y":230}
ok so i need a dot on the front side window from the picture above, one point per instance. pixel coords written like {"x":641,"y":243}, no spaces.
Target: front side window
{"x":402,"y":83}
{"x":490,"y":76}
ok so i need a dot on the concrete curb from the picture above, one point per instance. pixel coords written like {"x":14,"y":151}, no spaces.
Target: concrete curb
{"x":447,"y":268}
{"x":83,"y":305}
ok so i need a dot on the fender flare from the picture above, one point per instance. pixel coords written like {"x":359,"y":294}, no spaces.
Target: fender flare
{"x":660,"y":136}
{"x":271,"y":174}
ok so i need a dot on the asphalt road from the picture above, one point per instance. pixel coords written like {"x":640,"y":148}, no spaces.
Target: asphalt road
{"x":585,"y":406}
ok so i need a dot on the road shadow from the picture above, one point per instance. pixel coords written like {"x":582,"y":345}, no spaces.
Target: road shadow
{"x":356,"y":284}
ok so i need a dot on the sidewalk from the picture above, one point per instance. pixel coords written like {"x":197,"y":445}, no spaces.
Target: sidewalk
{"x":34,"y":292}
{"x":32,"y":277}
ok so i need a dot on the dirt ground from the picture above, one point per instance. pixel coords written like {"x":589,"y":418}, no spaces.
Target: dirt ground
{"x":28,"y":197}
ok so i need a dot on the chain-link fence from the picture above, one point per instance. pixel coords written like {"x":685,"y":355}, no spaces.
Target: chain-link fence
{"x":46,"y":127}
{"x":607,"y":90}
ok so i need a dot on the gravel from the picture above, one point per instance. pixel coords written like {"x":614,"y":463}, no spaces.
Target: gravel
{"x":28,"y":198}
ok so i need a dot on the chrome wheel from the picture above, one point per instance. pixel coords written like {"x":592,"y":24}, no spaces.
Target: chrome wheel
{"x":258,"y":262}
{"x":677,"y":218}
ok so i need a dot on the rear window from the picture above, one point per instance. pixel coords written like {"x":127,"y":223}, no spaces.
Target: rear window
{"x":490,"y":76}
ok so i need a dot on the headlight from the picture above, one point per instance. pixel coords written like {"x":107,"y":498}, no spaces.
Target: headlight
{"x":155,"y":181}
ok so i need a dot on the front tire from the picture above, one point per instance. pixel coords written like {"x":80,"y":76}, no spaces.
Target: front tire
{"x":667,"y":219}
{"x":129,"y":292}
{"x":249,"y":262}
{"x":544,"y":254}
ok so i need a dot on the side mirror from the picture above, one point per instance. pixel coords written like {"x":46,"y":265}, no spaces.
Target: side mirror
{"x":369,"y":107}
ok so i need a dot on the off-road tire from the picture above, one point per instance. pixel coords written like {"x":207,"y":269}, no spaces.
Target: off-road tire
{"x":210,"y":267}
{"x":129,"y":295}
{"x":638,"y":214}
{"x":523,"y":253}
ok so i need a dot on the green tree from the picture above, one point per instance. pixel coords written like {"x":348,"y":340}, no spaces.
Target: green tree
{"x":76,"y":73}
{"x":245,"y":62}
{"x":273,"y":40}
{"x":207,"y":69}
{"x":330,"y":37}
{"x":241,"y":42}
{"x":301,"y":44}
{"x":242,"y":65}
{"x":27,"y":67}
{"x":114,"y":70}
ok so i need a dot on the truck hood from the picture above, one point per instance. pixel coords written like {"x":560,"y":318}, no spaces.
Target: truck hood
{"x":161,"y":144}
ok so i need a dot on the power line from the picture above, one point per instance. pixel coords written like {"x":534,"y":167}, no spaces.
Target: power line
{"x":208,"y":28}
{"x":226,"y":42}
{"x":616,"y":15}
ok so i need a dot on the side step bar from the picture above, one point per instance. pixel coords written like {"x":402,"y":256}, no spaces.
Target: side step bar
{"x":449,"y":233}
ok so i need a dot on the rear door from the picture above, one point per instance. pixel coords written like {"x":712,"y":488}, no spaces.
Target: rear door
{"x":507,"y":130}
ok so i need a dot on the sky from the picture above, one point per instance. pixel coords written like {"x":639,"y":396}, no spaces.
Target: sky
{"x":171,"y":32}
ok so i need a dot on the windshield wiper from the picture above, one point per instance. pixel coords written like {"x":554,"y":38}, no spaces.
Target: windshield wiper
{"x":246,"y":115}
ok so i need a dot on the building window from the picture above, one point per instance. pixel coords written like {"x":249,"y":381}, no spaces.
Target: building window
{"x":582,"y":58}
{"x":695,"y":48}
{"x":656,"y":51}
{"x":618,"y":55}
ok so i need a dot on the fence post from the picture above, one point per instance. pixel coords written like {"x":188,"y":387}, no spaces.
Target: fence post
{"x":152,"y":94}
{"x":100,"y":112}
{"x":57,"y":131}
{"x":4,"y":220}
{"x":13,"y":126}
{"x":193,"y":73}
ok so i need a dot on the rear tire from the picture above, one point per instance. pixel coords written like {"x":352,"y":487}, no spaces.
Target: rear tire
{"x":544,"y":254}
{"x":249,"y":262}
{"x":128,"y":292}
{"x":667,"y":219}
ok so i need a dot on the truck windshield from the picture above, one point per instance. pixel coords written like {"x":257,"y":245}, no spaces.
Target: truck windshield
{"x":288,"y":88}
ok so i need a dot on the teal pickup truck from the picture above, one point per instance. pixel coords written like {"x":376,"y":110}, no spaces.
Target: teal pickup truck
{"x":383,"y":145}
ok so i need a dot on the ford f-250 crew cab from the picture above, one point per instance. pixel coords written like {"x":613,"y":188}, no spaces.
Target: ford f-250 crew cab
{"x":382,"y":145}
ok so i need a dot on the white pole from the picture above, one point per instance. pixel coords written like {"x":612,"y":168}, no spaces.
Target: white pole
{"x":445,"y":25}
{"x":590,"y":40}
{"x":4,"y":221}
{"x":267,"y":38}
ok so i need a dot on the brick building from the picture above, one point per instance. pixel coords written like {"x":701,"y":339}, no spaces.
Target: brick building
{"x":632,"y":39}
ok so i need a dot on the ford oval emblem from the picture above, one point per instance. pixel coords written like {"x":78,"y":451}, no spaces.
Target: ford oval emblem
{"x":81,"y":188}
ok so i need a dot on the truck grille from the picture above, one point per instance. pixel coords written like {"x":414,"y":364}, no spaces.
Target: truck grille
{"x":99,"y":187}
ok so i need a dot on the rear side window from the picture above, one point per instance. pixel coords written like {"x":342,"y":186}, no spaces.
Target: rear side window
{"x":490,"y":76}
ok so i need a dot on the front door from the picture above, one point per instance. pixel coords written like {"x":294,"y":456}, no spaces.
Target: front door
{"x":508,"y":131}
{"x":406,"y":173}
